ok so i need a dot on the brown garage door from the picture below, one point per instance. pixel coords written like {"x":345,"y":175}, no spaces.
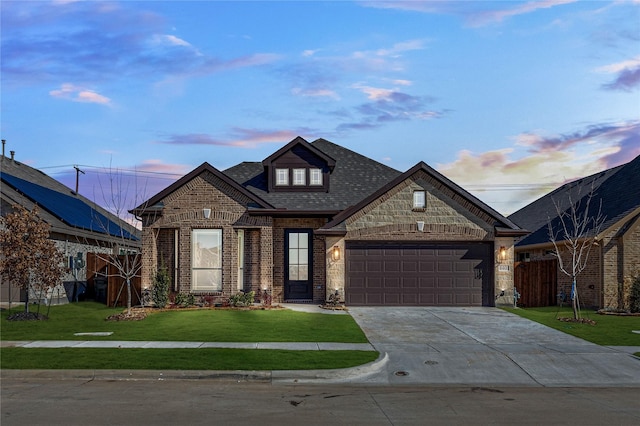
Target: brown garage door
{"x":415,"y":274}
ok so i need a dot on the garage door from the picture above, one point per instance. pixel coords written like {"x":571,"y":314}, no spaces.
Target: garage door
{"x":418,"y":274}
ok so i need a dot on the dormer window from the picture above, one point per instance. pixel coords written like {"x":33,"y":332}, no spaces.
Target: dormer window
{"x":282,"y":177}
{"x":299,"y":177}
{"x":315,"y":177}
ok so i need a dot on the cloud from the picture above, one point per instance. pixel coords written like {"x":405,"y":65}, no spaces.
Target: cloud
{"x":628,"y":77}
{"x":100,"y":41}
{"x":510,"y":180}
{"x":241,"y":137}
{"x":475,"y":13}
{"x":389,"y":105}
{"x":623,"y":135}
{"x":69,"y":91}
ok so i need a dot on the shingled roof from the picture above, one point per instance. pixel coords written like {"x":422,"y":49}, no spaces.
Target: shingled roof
{"x":617,"y":190}
{"x":353,"y":178}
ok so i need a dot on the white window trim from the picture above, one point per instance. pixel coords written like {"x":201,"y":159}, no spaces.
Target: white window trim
{"x":282,"y":177}
{"x":315,"y":177}
{"x":299,"y":177}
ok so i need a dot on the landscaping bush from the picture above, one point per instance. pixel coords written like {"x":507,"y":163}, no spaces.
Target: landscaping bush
{"x":160,"y":289}
{"x":242,"y":299}
{"x":634,"y":296}
{"x":185,"y":300}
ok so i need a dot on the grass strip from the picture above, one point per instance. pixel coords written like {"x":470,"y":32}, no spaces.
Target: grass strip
{"x":610,"y":330}
{"x":201,"y":325}
{"x":180,"y":359}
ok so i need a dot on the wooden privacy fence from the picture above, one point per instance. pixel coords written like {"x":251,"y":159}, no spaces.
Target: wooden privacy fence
{"x":537,"y":282}
{"x":106,"y":285}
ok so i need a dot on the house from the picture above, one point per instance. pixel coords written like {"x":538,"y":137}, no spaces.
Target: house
{"x":78,"y":226}
{"x":615,"y":255}
{"x":316,"y":219}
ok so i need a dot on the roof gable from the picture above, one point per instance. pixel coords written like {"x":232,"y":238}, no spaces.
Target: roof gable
{"x":299,"y":144}
{"x":449,"y":188}
{"x":153,"y":203}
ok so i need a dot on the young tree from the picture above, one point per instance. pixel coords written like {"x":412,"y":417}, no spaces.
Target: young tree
{"x":28,"y":258}
{"x":125,"y":260}
{"x":574,"y":232}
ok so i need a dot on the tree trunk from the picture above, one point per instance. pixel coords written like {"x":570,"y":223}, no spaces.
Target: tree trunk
{"x":574,"y":299}
{"x":128,"y":296}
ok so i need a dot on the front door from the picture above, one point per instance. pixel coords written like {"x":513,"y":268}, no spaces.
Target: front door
{"x":298,"y":282}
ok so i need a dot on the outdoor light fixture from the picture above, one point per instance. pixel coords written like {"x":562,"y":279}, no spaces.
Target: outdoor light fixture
{"x":420,"y":226}
{"x":206,"y":213}
{"x":503,"y":253}
{"x":335,"y":253}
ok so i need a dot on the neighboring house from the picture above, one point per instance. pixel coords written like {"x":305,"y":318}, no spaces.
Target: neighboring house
{"x":78,"y":226}
{"x":315,"y":218}
{"x":615,"y":257}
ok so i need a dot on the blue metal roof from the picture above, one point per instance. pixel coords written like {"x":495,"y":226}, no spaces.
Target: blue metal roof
{"x":71,"y":210}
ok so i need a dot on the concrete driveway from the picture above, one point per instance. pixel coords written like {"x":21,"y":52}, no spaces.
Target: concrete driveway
{"x":485,"y":346}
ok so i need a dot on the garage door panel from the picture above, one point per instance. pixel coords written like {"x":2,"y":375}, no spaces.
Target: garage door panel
{"x":410,"y":273}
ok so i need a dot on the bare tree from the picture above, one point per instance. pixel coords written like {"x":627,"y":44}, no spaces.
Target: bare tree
{"x":574,"y":232}
{"x":28,"y":258}
{"x":125,"y":258}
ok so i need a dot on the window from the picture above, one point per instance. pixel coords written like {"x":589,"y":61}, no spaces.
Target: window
{"x":282,"y":177}
{"x":299,"y":177}
{"x":419,"y":200}
{"x":315,"y":177}
{"x":298,"y":256}
{"x":206,"y":260}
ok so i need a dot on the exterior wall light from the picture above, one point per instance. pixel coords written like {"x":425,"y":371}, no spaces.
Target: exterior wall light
{"x":335,"y":253}
{"x":502,"y":254}
{"x":206,"y":213}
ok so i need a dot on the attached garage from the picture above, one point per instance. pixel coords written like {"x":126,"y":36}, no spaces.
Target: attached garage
{"x":419,"y":273}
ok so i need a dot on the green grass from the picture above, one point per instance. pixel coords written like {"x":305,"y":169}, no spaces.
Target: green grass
{"x":203,"y":325}
{"x":180,"y":359}
{"x":182,"y":325}
{"x":610,"y":330}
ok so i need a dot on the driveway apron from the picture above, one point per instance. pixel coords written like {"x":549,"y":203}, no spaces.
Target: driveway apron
{"x":486,"y":346}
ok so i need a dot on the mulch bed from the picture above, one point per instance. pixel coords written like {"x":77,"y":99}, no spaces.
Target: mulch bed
{"x":579,"y":320}
{"x":27,"y":316}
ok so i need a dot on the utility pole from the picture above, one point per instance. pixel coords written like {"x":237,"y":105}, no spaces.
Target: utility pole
{"x":78,"y":171}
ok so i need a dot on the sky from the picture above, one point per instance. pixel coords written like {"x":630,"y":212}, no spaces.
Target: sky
{"x":509,"y":99}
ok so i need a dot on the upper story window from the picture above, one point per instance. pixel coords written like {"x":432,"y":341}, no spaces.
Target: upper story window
{"x":419,"y":200}
{"x":315,"y":177}
{"x":299,"y":177}
{"x":282,"y":177}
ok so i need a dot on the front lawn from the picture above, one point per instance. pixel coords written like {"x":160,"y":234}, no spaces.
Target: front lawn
{"x":204,"y":325}
{"x":610,"y":330}
{"x":180,"y":359}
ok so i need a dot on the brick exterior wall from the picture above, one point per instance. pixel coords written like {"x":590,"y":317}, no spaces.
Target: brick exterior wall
{"x":183,"y":211}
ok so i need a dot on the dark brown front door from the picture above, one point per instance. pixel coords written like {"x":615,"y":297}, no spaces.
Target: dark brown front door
{"x":298,"y":280}
{"x":419,"y":274}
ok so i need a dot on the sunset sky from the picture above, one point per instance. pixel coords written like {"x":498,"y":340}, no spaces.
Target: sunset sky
{"x":508,"y":99}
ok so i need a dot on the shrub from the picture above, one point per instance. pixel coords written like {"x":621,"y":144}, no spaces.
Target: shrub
{"x":634,"y":296}
{"x":185,"y":300}
{"x":160,"y":289}
{"x":242,"y":299}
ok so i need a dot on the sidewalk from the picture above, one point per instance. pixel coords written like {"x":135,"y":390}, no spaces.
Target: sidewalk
{"x":292,"y":346}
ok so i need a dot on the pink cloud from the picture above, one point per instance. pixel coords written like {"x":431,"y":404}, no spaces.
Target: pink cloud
{"x":241,"y":137}
{"x":71,"y":92}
